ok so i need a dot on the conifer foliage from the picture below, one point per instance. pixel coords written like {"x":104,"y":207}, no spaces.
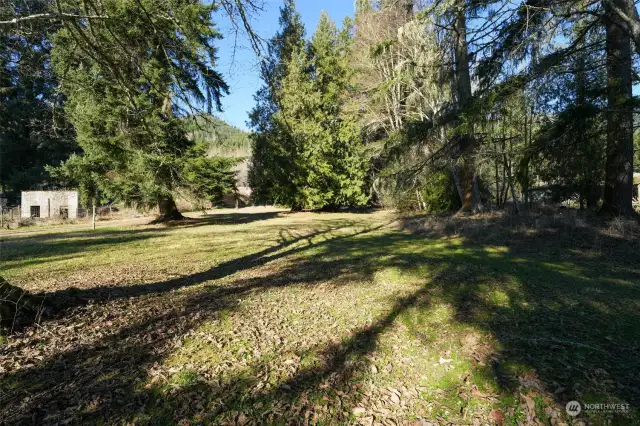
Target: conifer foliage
{"x":311,"y":154}
{"x":426,"y":105}
{"x":127,"y":77}
{"x":33,"y":133}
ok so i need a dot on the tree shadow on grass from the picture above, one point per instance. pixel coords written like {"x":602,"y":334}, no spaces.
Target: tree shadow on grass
{"x":53,"y":248}
{"x":568,"y":325}
{"x":236,"y":218}
{"x":562,"y":301}
{"x":105,"y":372}
{"x":43,"y":246}
{"x":288,"y":245}
{"x":566,"y":328}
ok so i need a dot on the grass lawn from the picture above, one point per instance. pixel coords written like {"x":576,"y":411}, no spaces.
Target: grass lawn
{"x":258,"y":316}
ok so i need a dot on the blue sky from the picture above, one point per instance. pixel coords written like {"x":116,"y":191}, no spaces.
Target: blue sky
{"x":239,"y":64}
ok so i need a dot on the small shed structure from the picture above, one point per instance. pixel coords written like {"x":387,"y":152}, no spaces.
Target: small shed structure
{"x":49,"y":204}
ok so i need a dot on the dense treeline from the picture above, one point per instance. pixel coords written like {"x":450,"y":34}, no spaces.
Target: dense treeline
{"x":450,"y":104}
{"x":435,"y":105}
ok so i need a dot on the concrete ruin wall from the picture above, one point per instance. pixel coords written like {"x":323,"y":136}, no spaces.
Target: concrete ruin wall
{"x":50,"y":203}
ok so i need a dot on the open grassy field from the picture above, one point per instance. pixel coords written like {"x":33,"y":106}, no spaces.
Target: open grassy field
{"x":258,"y":316}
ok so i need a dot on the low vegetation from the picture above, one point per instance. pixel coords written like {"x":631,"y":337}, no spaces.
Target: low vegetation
{"x":258,"y":316}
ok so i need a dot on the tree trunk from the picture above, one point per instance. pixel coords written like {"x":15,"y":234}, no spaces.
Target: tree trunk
{"x":527,"y":144}
{"x":625,"y":14}
{"x":471,"y":197}
{"x":507,"y":166}
{"x":619,"y":157}
{"x":17,"y":305}
{"x":469,"y":186}
{"x":463,"y":78}
{"x":530,"y":195}
{"x":497,"y":174}
{"x":296,"y":207}
{"x":168,"y":210}
{"x":456,"y":179}
{"x":476,"y":196}
{"x":592,"y":194}
{"x":582,"y":124}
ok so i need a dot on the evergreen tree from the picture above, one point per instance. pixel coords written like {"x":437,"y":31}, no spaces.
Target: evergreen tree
{"x":121,"y":76}
{"x":32,"y":135}
{"x":325,"y":159}
{"x":618,"y":188}
{"x":209,"y":178}
{"x":268,"y":166}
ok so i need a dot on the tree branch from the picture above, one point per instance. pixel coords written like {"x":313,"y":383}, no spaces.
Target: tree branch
{"x":51,"y":16}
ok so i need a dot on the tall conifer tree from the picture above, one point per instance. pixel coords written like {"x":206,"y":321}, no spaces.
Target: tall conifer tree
{"x":268,"y":163}
{"x":326,"y":164}
{"x":126,"y":77}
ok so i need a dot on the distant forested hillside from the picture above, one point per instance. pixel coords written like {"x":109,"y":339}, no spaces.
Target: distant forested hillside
{"x":223,"y":139}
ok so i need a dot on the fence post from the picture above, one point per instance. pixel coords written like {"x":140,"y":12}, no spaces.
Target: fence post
{"x":93,"y":219}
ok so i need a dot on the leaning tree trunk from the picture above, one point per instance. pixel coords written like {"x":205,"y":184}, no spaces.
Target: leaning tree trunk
{"x":168,"y":210}
{"x":618,"y":188}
